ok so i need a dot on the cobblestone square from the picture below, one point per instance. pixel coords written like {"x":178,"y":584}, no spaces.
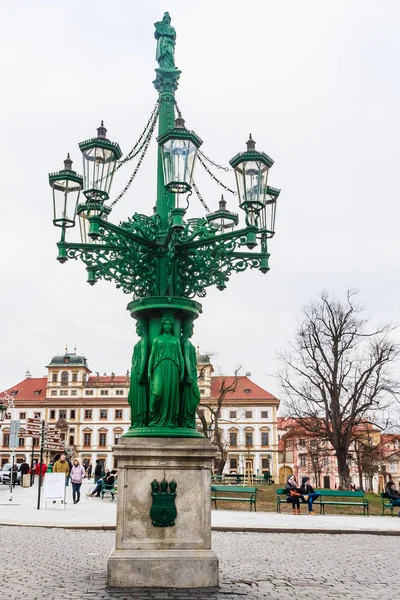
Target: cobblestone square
{"x":54,"y":564}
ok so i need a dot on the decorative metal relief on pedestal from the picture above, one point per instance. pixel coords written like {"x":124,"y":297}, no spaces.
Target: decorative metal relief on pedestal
{"x":163,"y":509}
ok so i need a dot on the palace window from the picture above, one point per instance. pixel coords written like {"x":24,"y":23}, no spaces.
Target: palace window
{"x":264,"y":438}
{"x":249,"y":438}
{"x":233,"y":438}
{"x":74,"y":377}
{"x":265,"y":464}
{"x":62,"y":413}
{"x":118,"y":413}
{"x":264,"y":414}
{"x":88,"y":413}
{"x":37,"y":415}
{"x":52,"y":414}
{"x":63,"y":392}
{"x":89,"y":392}
{"x":64,"y":378}
{"x":22,"y":415}
{"x":35,"y":442}
{"x":117,"y":435}
{"x":302,"y":442}
{"x":119,"y":392}
{"x":102,"y":439}
{"x":54,"y":392}
{"x":87,"y":439}
{"x":54,"y":378}
{"x":233,"y":465}
{"x":74,"y":392}
{"x":103,"y":413}
{"x":103,"y":392}
{"x":233,"y":414}
{"x":6,"y":440}
{"x":21,"y":442}
{"x":72,"y":414}
{"x":303,"y":460}
{"x":248,"y":414}
{"x":71,"y":440}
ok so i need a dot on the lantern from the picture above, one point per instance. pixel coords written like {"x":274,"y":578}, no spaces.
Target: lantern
{"x":251,"y":171}
{"x":222,"y":219}
{"x":89,"y":230}
{"x":66,"y":185}
{"x":268,"y":214}
{"x":178,"y":151}
{"x":100,"y":158}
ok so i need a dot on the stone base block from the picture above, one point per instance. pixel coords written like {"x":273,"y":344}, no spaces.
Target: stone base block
{"x":162,"y":568}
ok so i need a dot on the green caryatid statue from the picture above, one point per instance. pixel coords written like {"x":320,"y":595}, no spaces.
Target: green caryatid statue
{"x":165,"y":370}
{"x":191,"y":393}
{"x":138,"y":397}
{"x":165,"y":36}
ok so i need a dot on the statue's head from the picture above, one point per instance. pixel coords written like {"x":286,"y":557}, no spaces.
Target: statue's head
{"x":172,"y":486}
{"x":164,"y":486}
{"x":154,"y":485}
{"x":141,"y":327}
{"x":167,"y":324}
{"x":188,"y":329}
{"x":167,"y":18}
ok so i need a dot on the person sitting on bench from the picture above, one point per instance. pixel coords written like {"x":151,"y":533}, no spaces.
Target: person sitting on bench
{"x":109,"y":480}
{"x":293,"y":494}
{"x":307,"y":491}
{"x":393,"y":494}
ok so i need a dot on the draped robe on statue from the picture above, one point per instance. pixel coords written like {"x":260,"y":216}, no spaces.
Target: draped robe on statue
{"x":164,"y":382}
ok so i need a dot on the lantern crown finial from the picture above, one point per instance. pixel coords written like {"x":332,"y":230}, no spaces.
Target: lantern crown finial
{"x":101,"y":131}
{"x":180,"y":123}
{"x":222,"y":203}
{"x":251,"y":145}
{"x":68,"y":163}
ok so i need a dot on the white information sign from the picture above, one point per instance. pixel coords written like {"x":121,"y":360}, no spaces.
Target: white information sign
{"x":54,"y":486}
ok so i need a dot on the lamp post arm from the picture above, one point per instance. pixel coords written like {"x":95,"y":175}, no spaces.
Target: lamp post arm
{"x":223,"y":237}
{"x":122,"y":231}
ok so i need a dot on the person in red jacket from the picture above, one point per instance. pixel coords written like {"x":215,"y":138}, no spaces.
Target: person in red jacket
{"x":41,"y":467}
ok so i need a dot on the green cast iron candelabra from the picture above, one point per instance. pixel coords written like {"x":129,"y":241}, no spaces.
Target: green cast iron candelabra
{"x":164,"y":261}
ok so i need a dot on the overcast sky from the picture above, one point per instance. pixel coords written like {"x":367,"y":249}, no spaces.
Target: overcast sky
{"x":317,"y":84}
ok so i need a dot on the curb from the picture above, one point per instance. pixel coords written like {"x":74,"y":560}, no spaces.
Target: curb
{"x":227,"y":529}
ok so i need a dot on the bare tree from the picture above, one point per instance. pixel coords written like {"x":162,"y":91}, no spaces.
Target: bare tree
{"x":209,"y":413}
{"x":337,"y":370}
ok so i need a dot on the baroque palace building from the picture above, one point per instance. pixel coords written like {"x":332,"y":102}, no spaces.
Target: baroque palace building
{"x":92,"y":412}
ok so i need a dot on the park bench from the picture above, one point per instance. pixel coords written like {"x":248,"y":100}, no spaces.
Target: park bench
{"x":112,"y":489}
{"x":327,"y":497}
{"x":234,"y":493}
{"x":387,"y":503}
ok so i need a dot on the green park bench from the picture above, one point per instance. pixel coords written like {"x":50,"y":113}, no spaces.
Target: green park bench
{"x":112,"y":489}
{"x":234,"y":493}
{"x":387,"y":504}
{"x":327,"y":497}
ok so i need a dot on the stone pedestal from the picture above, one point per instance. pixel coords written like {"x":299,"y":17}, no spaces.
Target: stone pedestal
{"x":179,"y":556}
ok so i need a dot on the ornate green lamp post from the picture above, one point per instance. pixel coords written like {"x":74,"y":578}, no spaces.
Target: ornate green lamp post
{"x":164,"y":261}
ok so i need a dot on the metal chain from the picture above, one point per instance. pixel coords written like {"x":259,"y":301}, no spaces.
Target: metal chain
{"x":200,"y":197}
{"x":135,"y":150}
{"x":228,"y":189}
{"x":178,"y":110}
{"x":226,"y":169}
{"x":132,"y":177}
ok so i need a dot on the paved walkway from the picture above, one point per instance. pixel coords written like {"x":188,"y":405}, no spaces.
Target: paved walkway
{"x":57,"y":564}
{"x":100,"y":514}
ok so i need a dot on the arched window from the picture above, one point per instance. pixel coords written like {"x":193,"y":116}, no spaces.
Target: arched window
{"x":64,"y":378}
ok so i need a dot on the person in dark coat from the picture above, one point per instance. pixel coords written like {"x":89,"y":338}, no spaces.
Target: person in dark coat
{"x":393,"y":494}
{"x":97,"y":471}
{"x":308,"y":493}
{"x":293,"y":494}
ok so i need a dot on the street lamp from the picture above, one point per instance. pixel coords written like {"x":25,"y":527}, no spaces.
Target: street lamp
{"x":163,"y":260}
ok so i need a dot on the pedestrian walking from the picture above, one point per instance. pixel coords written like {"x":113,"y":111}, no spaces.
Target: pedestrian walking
{"x":89,"y":471}
{"x":77,"y":475}
{"x":41,"y":469}
{"x":69,"y":473}
{"x":97,"y":471}
{"x":61,"y":466}
{"x":24,"y":470}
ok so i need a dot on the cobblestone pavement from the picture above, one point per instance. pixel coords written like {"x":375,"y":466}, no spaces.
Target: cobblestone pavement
{"x":58,"y":564}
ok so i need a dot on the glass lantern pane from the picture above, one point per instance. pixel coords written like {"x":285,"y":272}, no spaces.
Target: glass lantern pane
{"x":65,"y":200}
{"x":98,"y":165}
{"x":178,"y":161}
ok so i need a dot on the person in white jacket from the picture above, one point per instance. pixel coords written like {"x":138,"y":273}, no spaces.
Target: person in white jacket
{"x":77,"y":474}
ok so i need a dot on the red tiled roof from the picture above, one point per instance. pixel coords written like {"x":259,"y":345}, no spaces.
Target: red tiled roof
{"x":25,"y":390}
{"x":239,"y":394}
